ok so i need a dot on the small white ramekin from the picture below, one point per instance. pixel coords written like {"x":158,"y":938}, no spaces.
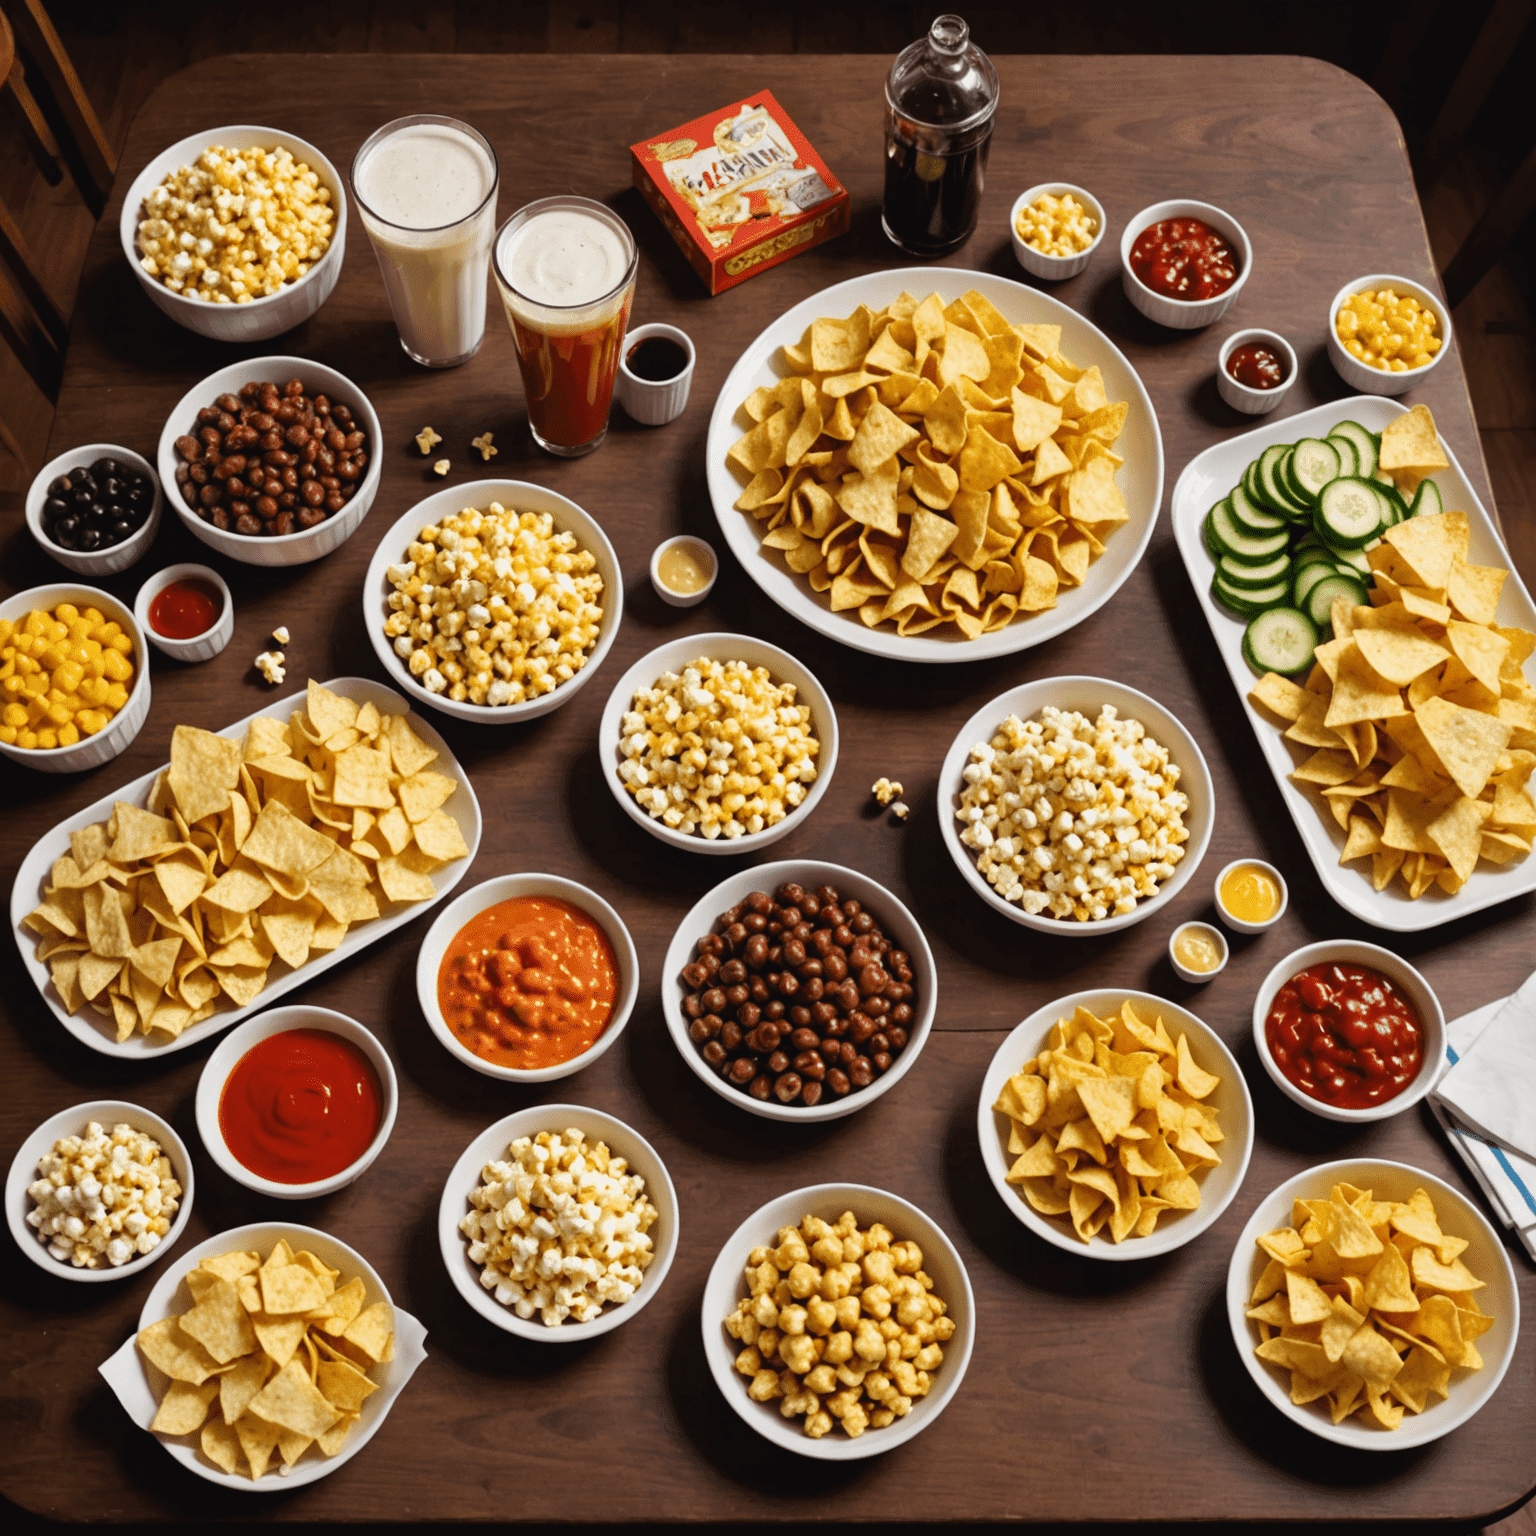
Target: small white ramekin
{"x":94,"y":562}
{"x":203,"y":647}
{"x":277,"y":1021}
{"x":1181,"y":970}
{"x":1243,"y":397}
{"x":1401,"y":974}
{"x":1382,"y":381}
{"x":1183,"y":314}
{"x":1054,"y":268}
{"x":702,"y":552}
{"x":89,"y":751}
{"x":1241,"y":925}
{"x":459,"y":911}
{"x":654,"y":402}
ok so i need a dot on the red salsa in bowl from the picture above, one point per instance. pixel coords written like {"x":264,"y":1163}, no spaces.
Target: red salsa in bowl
{"x":1257,"y":365}
{"x":1184,"y":259}
{"x":1345,"y":1035}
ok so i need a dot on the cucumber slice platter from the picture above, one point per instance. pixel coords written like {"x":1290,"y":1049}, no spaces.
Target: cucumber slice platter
{"x":1291,"y":537}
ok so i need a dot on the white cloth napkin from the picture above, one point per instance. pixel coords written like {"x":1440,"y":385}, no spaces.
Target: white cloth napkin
{"x":1491,"y":1086}
{"x":1507,"y":1178}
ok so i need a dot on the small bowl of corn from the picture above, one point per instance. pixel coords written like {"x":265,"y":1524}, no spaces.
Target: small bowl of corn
{"x":1386,"y":333}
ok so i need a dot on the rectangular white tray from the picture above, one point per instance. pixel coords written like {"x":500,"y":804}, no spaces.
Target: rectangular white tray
{"x":1209,"y":477}
{"x":27,"y":892}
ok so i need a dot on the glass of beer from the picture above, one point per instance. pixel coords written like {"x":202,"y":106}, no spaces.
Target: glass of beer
{"x":566,"y":270}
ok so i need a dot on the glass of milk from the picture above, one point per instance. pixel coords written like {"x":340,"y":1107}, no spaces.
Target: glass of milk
{"x":425,"y":188}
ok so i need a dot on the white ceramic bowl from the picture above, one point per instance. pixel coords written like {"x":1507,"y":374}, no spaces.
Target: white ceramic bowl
{"x":429,"y":960}
{"x":290,"y":548}
{"x":1086,"y":695}
{"x":94,"y":562}
{"x":491,"y":1146}
{"x":672,"y":657}
{"x":901,"y":928}
{"x":1379,"y":381}
{"x":89,"y":751}
{"x":1230,"y":1097}
{"x":277,"y":1021}
{"x":72,"y":1122}
{"x":1181,"y":970}
{"x":138,"y":1385}
{"x":264,"y":317}
{"x":1242,"y":924}
{"x":655,"y":402}
{"x":1485,"y":1256}
{"x":1184,"y":314}
{"x":1243,"y":397}
{"x":522,"y":496}
{"x":1054,"y":268}
{"x":702,"y":552}
{"x":1408,"y":981}
{"x":726,"y":1286}
{"x":203,"y":647}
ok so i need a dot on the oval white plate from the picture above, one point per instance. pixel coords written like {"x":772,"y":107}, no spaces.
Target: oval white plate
{"x":1140,"y":445}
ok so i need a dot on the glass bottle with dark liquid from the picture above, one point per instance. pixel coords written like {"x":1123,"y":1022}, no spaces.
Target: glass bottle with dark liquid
{"x":940,"y":103}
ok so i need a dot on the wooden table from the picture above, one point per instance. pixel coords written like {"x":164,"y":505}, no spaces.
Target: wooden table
{"x":1108,"y":1391}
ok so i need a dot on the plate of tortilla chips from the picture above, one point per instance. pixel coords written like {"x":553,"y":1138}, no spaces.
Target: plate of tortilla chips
{"x":935,"y":465}
{"x":266,"y":1357}
{"x":1373,"y":1304}
{"x":1410,"y":796}
{"x":256,"y":859}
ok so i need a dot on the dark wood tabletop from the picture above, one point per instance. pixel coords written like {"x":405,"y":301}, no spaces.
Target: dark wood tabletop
{"x":1097,"y":1391}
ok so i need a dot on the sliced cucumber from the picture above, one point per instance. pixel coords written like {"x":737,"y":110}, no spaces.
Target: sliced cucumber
{"x":1256,"y":478}
{"x":1321,"y":598}
{"x":1366,"y":445}
{"x":1349,"y":456}
{"x":1234,"y":541}
{"x":1248,"y":601}
{"x":1239,"y":573}
{"x":1396,"y":506}
{"x":1251,"y":486}
{"x":1250,"y":517}
{"x":1305,"y":577}
{"x":1212,"y":547}
{"x":1280,"y":640}
{"x":1426,"y":500}
{"x":1352,"y":562}
{"x":1350,"y":512}
{"x":1271,"y":483}
{"x":1313,"y":464}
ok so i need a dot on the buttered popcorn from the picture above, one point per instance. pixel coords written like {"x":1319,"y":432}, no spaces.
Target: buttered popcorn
{"x":560,"y":1228}
{"x":495,"y":607}
{"x":235,"y":226}
{"x":100,"y":1199}
{"x":1076,"y":818}
{"x":718,"y":749}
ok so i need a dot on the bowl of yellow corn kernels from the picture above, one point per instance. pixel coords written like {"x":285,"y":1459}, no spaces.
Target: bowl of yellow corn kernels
{"x":74,"y":678}
{"x":1386,"y":333}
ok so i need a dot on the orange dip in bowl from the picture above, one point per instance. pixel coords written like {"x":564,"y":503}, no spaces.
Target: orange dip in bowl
{"x":528,"y":983}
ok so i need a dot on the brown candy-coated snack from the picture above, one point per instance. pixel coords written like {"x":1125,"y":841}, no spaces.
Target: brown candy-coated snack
{"x":271,"y":461}
{"x":799,"y":995}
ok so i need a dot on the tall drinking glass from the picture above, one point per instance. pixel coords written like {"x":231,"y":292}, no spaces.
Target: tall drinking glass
{"x":566,"y":269}
{"x":426,"y":190}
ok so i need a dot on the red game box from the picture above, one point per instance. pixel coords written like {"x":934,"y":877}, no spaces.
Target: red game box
{"x":740,"y":190}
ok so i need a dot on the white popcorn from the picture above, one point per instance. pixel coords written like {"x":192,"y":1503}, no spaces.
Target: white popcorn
{"x":560,"y":1228}
{"x":92,"y":1225}
{"x":270,"y":665}
{"x":1046,"y":848}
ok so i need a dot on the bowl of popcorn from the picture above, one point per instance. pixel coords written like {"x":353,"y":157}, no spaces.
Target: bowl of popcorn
{"x":98,"y":1191}
{"x":1075,"y":805}
{"x":1386,"y":333}
{"x":1055,"y":229}
{"x":494,"y":601}
{"x":718,"y":743}
{"x":558,"y":1223}
{"x":838,"y":1321}
{"x":236,"y":233}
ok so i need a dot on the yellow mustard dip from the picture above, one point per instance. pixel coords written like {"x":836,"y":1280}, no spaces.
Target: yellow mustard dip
{"x":682,"y":571}
{"x":1197,"y":949}
{"x":1249,"y":894}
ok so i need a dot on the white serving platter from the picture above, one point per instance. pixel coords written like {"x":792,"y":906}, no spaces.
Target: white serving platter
{"x":1140,"y":479}
{"x":27,"y":892}
{"x":1205,"y":480}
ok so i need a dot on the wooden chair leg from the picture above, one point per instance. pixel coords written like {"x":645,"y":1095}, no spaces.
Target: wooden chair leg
{"x":34,"y":127}
{"x":1490,"y":236}
{"x":17,"y":255}
{"x":1469,"y":90}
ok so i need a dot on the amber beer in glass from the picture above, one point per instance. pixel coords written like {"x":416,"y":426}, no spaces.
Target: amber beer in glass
{"x":566,"y":270}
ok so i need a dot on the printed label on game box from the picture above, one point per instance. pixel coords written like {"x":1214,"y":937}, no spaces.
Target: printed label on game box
{"x":740,"y":190}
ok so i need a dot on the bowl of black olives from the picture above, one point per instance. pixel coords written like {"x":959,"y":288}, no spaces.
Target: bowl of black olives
{"x":95,"y":509}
